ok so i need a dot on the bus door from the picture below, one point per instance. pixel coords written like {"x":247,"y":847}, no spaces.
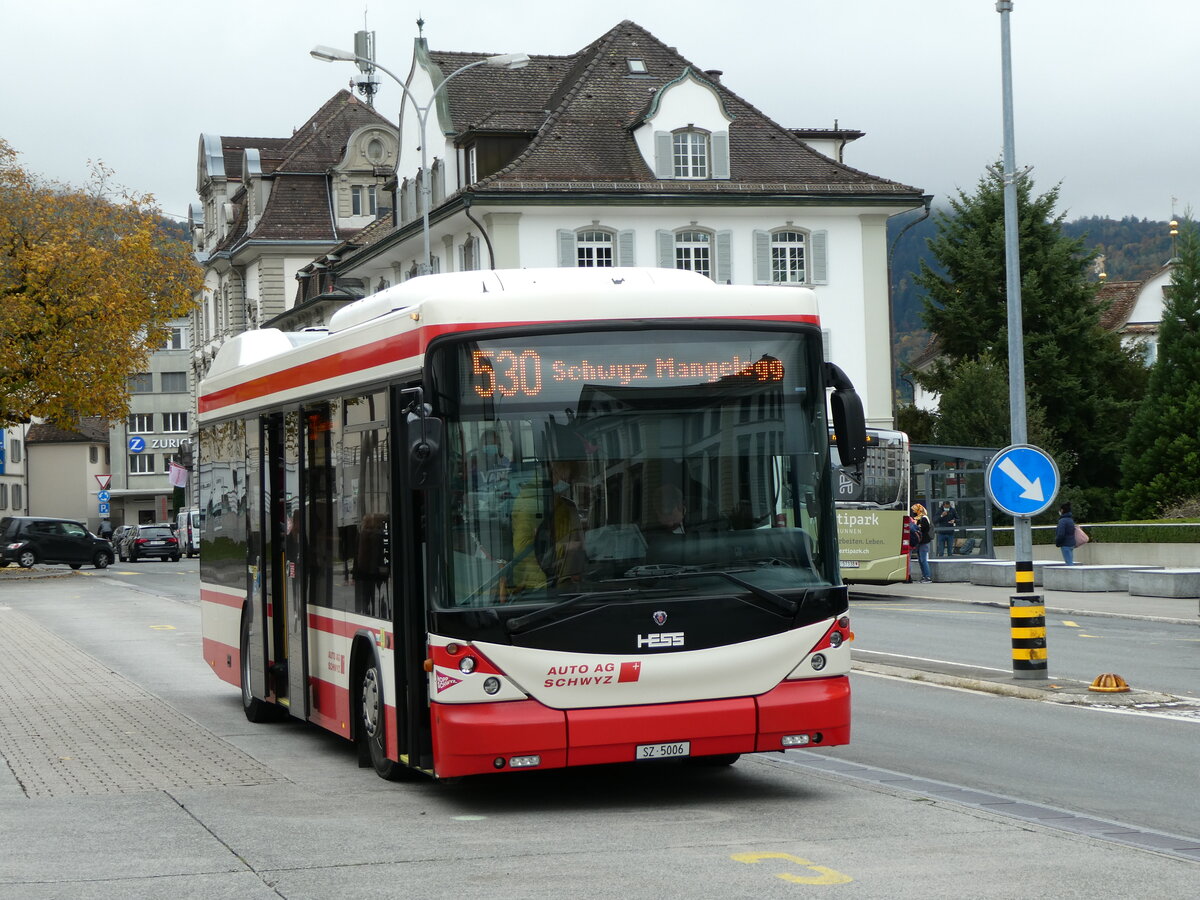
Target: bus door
{"x":281,"y":510}
{"x":308,"y":477}
{"x":410,"y":513}
{"x":258,"y":551}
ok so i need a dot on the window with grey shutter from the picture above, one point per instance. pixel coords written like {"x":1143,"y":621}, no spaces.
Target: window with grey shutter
{"x":720,"y":154}
{"x":762,"y":257}
{"x":666,"y":249}
{"x":664,"y":163}
{"x":626,"y":250}
{"x":566,"y":249}
{"x":820,"y":257}
{"x":724,"y":273}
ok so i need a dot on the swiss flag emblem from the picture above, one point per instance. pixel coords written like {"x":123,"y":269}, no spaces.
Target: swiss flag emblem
{"x":629,"y":671}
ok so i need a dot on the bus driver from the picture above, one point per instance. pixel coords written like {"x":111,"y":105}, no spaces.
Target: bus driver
{"x":548,"y":536}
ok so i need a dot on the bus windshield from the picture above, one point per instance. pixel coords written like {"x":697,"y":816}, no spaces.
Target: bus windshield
{"x":632,"y":463}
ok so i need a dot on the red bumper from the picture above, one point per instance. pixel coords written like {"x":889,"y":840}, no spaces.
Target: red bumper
{"x":470,"y":739}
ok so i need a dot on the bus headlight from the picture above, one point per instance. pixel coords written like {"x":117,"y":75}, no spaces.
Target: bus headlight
{"x":491,"y":685}
{"x":466,"y":665}
{"x":835,"y":639}
{"x":817,"y":661}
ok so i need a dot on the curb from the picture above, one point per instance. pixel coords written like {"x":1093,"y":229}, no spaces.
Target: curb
{"x":19,"y":574}
{"x":1058,"y":690}
{"x":1058,"y":610}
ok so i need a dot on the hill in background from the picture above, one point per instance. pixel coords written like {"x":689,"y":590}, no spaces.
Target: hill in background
{"x":1133,"y":250}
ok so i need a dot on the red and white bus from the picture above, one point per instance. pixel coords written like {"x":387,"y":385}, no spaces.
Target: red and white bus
{"x":532,"y":519}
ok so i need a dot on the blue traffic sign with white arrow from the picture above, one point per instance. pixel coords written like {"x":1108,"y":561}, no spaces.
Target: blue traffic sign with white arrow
{"x":1022,"y":480}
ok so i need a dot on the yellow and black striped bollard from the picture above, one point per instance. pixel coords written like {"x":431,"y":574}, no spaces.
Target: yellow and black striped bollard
{"x":1027,"y":618}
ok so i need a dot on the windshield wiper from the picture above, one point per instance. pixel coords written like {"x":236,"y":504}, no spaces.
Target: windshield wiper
{"x":788,"y":606}
{"x":551,"y":612}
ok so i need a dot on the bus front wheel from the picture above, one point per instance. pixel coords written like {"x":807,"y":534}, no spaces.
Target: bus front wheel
{"x":372,"y":729}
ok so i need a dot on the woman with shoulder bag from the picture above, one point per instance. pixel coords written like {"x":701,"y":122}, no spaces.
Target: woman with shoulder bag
{"x":1066,"y":535}
{"x":924,"y":537}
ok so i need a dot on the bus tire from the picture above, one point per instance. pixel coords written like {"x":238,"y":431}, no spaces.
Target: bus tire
{"x":256,"y":710}
{"x":372,"y":730}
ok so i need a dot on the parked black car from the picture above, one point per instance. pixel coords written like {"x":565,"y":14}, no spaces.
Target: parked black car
{"x":119,"y":537}
{"x":148,"y":542}
{"x":27,"y":540}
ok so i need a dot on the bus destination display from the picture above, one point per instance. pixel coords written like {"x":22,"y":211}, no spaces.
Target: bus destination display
{"x":512,"y":372}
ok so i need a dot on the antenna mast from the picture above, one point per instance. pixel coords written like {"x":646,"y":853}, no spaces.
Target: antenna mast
{"x":367,"y":83}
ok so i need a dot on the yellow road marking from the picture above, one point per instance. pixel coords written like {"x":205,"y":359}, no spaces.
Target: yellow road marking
{"x":824,"y":875}
{"x":1069,"y":623}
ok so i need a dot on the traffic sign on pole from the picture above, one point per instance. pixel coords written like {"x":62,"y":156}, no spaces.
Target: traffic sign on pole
{"x":1022,"y":480}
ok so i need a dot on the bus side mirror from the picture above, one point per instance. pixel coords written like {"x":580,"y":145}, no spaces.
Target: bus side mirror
{"x":423,"y":440}
{"x":849,"y":421}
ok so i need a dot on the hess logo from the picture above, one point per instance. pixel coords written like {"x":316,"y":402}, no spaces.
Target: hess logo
{"x":662,"y":639}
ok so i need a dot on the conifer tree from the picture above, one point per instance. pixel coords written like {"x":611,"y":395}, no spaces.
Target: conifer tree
{"x":1162,"y":452}
{"x":1076,"y":374}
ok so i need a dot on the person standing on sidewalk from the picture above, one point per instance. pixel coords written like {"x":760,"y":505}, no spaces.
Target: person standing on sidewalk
{"x":947,"y":521}
{"x":1064,"y":535}
{"x":924,"y":536}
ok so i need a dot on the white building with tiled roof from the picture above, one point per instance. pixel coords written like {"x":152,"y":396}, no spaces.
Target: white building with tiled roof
{"x":269,"y":206}
{"x":626,"y":153}
{"x":1134,"y":310}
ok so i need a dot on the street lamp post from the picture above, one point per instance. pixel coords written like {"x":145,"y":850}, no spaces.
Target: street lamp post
{"x":501,"y":61}
{"x":1027,"y":611}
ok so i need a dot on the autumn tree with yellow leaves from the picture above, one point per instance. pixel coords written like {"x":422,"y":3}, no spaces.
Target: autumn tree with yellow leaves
{"x":89,"y":283}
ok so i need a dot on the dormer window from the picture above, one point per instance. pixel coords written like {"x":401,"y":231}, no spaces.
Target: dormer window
{"x":689,"y":151}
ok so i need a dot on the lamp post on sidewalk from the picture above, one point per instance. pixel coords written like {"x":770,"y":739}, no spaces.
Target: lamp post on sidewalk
{"x":1026,"y":608}
{"x":501,"y":61}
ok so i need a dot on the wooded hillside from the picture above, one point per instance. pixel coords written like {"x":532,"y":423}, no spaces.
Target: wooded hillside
{"x":1133,"y":249}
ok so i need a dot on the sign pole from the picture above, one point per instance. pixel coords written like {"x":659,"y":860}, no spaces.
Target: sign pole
{"x":1022,"y":526}
{"x":1022,"y":481}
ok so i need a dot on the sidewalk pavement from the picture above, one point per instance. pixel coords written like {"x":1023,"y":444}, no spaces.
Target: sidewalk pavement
{"x":1116,"y":604}
{"x":1120,"y":604}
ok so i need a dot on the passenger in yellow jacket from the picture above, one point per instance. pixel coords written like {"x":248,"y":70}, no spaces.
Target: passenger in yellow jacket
{"x":556,"y":556}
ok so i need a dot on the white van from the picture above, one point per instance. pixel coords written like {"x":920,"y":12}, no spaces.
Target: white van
{"x":187,"y":525}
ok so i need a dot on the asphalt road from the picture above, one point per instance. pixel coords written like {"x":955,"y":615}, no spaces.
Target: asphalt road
{"x":1149,"y":655}
{"x":131,"y":772}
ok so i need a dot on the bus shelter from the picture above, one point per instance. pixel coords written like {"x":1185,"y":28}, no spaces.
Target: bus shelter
{"x":956,"y":474}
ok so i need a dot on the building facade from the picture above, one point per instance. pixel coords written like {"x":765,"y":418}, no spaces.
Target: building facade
{"x":269,"y":206}
{"x":14,"y":485}
{"x":62,"y":467}
{"x":1133,"y":309}
{"x":623,"y":153}
{"x":155,"y":432}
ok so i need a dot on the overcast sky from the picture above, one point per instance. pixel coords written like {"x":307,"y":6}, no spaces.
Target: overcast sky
{"x":1104,"y":91}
